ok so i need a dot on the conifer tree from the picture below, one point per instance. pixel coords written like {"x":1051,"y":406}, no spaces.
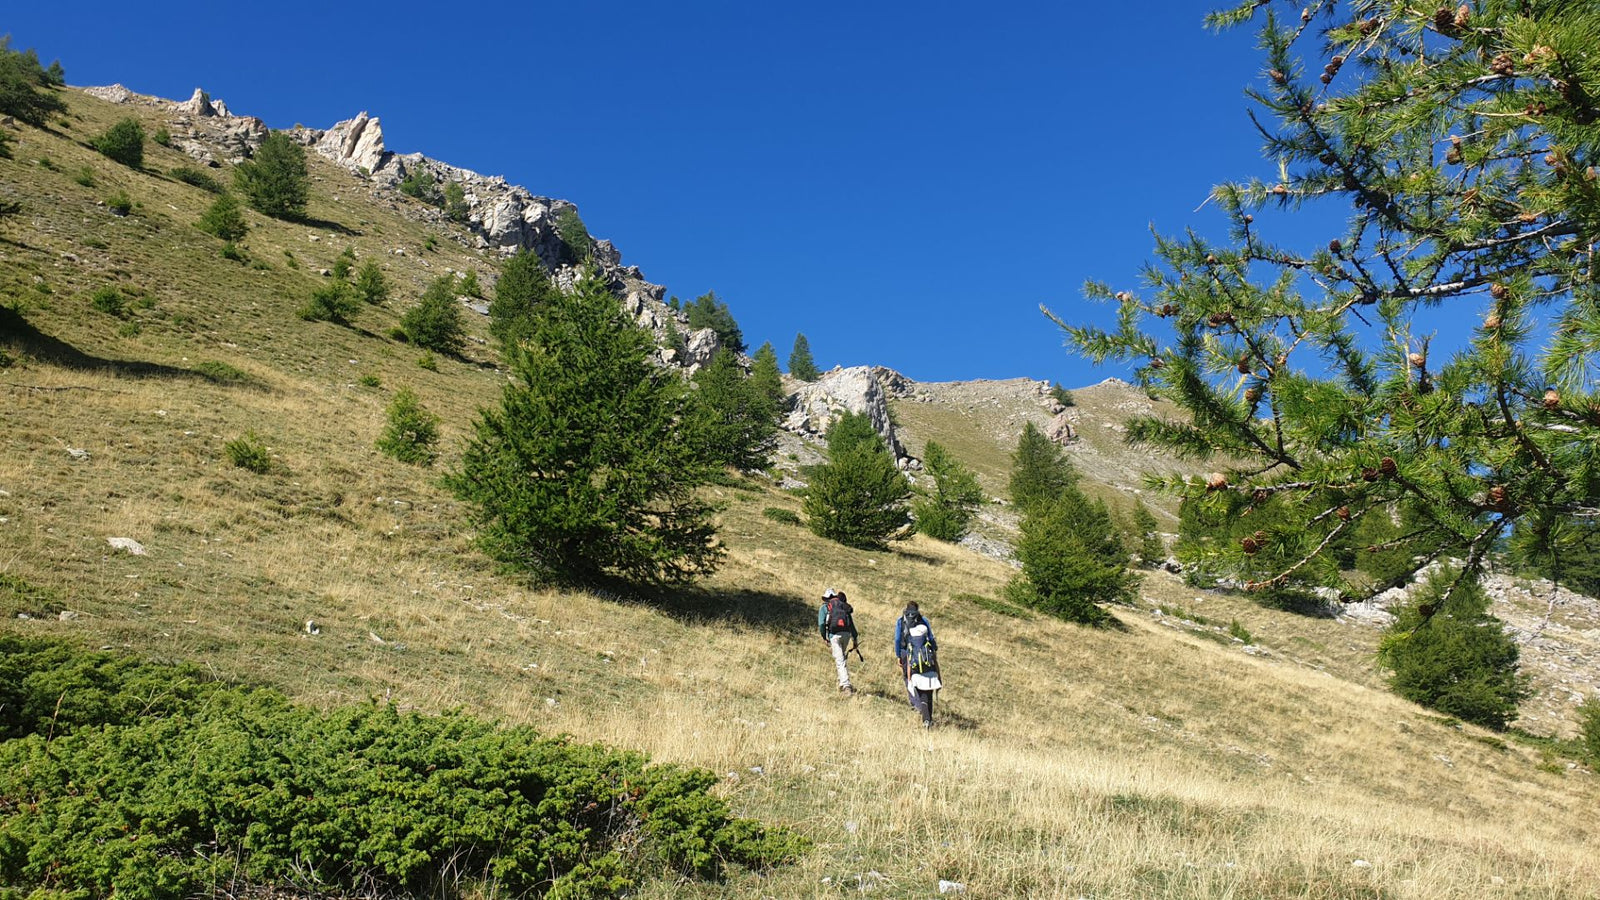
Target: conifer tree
{"x":764,"y":373}
{"x":1448,"y":653}
{"x":1039,"y":470}
{"x":1147,"y":532}
{"x":858,"y":497}
{"x":224,"y":220}
{"x":706,"y":311}
{"x":523,"y":285}
{"x":123,"y":142}
{"x":801,"y":365}
{"x":275,"y":180}
{"x":370,"y":283}
{"x":24,"y":89}
{"x":734,"y":421}
{"x":579,"y":474}
{"x":1462,"y":144}
{"x":436,"y":322}
{"x":945,"y":511}
{"x":1072,"y":559}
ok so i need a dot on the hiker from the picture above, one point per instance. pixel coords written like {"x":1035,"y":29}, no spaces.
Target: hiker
{"x":917,"y":651}
{"x":838,"y":628}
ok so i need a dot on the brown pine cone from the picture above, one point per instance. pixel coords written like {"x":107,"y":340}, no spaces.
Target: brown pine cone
{"x":1387,"y":467}
{"x":1250,"y":545}
{"x":1216,"y":481}
{"x":1343,"y":513}
{"x":1552,"y":400}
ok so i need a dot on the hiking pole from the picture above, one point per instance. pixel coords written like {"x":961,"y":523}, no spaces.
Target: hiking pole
{"x":855,"y":645}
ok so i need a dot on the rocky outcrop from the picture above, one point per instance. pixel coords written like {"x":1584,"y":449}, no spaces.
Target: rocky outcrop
{"x":356,"y":144}
{"x":856,"y":390}
{"x":198,"y":104}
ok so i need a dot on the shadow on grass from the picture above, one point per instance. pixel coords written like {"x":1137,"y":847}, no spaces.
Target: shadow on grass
{"x":339,"y":227}
{"x":778,"y":614}
{"x":21,"y":334}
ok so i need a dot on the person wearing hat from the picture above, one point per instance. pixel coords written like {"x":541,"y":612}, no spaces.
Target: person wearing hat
{"x":838,"y":628}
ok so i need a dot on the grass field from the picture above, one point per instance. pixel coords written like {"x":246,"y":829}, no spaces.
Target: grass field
{"x":1149,"y":759}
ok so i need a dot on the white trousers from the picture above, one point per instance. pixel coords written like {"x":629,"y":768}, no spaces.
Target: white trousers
{"x":840,"y":643}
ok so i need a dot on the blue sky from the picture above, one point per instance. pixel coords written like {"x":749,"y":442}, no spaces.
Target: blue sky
{"x":904,"y":183}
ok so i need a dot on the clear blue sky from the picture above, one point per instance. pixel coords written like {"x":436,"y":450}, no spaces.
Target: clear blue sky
{"x":904,"y":183}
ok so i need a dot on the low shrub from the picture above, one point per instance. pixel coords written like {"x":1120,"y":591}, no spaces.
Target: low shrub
{"x":197,"y":177}
{"x":1589,"y":729}
{"x":120,"y":203}
{"x":162,"y":136}
{"x":343,"y":263}
{"x":369,"y":380}
{"x":224,"y":219}
{"x":153,"y":782}
{"x":221,"y":372}
{"x":436,"y":322}
{"x":370,"y":283}
{"x":1239,"y":631}
{"x":779,"y":514}
{"x":331,"y":302}
{"x":412,"y":431}
{"x":428,"y":361}
{"x":109,"y":300}
{"x":233,"y":251}
{"x":248,"y":452}
{"x":85,"y":177}
{"x":998,"y":607}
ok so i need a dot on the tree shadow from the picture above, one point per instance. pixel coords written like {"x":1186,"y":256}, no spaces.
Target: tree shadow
{"x":781,"y":615}
{"x":21,"y":334}
{"x":914,"y":556}
{"x":327,"y":224}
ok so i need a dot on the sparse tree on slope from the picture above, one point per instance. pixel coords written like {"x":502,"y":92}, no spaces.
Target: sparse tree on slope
{"x":858,"y":497}
{"x":734,"y":421}
{"x":708,"y":312}
{"x":580,"y":473}
{"x":436,"y":322}
{"x":945,"y":511}
{"x":1464,"y":142}
{"x":764,"y":372}
{"x":1072,"y":558}
{"x":801,"y":365}
{"x":224,"y":220}
{"x":1039,"y":470}
{"x":1147,"y":532}
{"x":523,"y":285}
{"x":275,"y":180}
{"x":24,"y":91}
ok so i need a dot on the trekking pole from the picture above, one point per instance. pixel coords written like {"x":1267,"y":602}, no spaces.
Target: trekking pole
{"x":855,"y":646}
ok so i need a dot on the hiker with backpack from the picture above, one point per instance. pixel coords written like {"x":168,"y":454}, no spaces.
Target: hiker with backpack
{"x":838,"y":628}
{"x":917,"y":651}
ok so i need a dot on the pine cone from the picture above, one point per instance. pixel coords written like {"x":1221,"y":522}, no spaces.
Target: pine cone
{"x":1444,"y":20}
{"x":1278,"y":76}
{"x":1552,"y":400}
{"x":1387,"y":467}
{"x":1453,"y":156}
{"x":1261,"y":537}
{"x":1503,"y":65}
{"x":1492,"y":321}
{"x":1368,"y":26}
{"x":1251,"y":395}
{"x":1343,"y":513}
{"x":1279,"y":189}
{"x":1216,"y":481}
{"x":1250,"y":545}
{"x":1463,"y":16}
{"x":1259,"y":496}
{"x":1369,"y":474}
{"x":1497,"y":499}
{"x":1417,"y":360}
{"x":1249,"y":218}
{"x":1335,"y":247}
{"x":1157,"y":363}
{"x":1243,"y":365}
{"x":1498,"y":291}
{"x":1427,"y":610}
{"x":1325,"y":78}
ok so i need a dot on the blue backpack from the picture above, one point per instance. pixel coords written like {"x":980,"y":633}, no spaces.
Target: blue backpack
{"x":921,"y":654}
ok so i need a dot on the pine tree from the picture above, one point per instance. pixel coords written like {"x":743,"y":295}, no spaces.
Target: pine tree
{"x":579,"y":473}
{"x":734,"y":422}
{"x":764,"y":373}
{"x":1448,"y":653}
{"x":1039,"y":470}
{"x":523,"y":286}
{"x":858,"y":497}
{"x":1072,"y":559}
{"x":1147,"y":532}
{"x":123,"y":142}
{"x":1463,"y":143}
{"x":574,"y":236}
{"x":801,"y":365}
{"x":23,"y":91}
{"x":370,"y":283}
{"x":708,"y":312}
{"x":412,"y":431}
{"x":224,"y":220}
{"x":945,"y":511}
{"x":436,"y":322}
{"x":275,"y":180}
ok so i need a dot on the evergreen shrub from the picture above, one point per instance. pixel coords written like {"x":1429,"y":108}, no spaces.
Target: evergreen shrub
{"x":123,"y":143}
{"x":412,"y":431}
{"x":332,"y":302}
{"x":249,"y":453}
{"x":779,"y":514}
{"x":435,"y":322}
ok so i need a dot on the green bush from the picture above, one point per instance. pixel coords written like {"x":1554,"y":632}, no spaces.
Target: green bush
{"x":945,"y":509}
{"x":779,"y":514}
{"x":224,"y":220}
{"x":1452,"y":655}
{"x":85,"y":177}
{"x":575,"y":235}
{"x":436,"y":322}
{"x":344,"y":262}
{"x":412,"y":431}
{"x":1060,"y":394}
{"x":123,"y":143}
{"x":153,"y":783}
{"x":233,"y":251}
{"x":196,"y":177}
{"x":1589,"y":729}
{"x":109,"y":300}
{"x":523,"y":285}
{"x":331,"y":302}
{"x":5,"y":144}
{"x":1240,"y":632}
{"x":421,"y":185}
{"x":1072,"y":560}
{"x":24,"y":85}
{"x":221,"y":372}
{"x":859,"y":496}
{"x":248,"y":452}
{"x":163,"y":136}
{"x":428,"y":361}
{"x":370,"y":284}
{"x":120,"y":203}
{"x":369,"y":380}
{"x":456,"y":207}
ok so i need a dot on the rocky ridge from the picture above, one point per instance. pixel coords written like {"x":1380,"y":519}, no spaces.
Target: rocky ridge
{"x":501,"y":218}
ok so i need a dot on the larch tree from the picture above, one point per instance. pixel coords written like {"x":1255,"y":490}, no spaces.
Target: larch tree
{"x":801,"y":365}
{"x":1451,"y":154}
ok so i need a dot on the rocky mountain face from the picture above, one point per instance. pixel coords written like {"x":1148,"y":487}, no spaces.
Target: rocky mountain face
{"x":502,"y":218}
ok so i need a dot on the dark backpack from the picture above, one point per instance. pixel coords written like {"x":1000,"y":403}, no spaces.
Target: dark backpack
{"x":839,"y":620}
{"x":921,"y":656}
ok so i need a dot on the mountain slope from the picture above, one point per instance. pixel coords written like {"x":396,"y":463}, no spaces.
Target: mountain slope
{"x":1154,"y":759}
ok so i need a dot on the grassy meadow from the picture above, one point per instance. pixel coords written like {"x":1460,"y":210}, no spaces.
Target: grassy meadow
{"x":1151,"y":759}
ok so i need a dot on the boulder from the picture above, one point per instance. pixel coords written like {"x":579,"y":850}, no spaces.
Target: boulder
{"x":855,"y":390}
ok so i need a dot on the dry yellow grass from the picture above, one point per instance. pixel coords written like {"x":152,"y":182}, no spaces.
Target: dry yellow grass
{"x":1140,"y":761}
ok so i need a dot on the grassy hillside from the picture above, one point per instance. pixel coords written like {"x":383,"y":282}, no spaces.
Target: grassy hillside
{"x":1153,"y":759}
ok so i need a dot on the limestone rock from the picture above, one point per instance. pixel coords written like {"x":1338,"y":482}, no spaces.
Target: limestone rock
{"x":355,"y":144}
{"x":1061,"y":429}
{"x":128,"y":544}
{"x":855,"y":390}
{"x":199,"y":104}
{"x":111,"y":93}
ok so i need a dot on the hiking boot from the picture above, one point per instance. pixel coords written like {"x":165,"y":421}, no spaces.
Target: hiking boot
{"x":847,"y":690}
